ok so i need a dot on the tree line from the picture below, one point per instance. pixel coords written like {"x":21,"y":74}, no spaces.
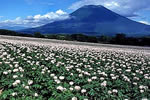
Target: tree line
{"x":119,"y":38}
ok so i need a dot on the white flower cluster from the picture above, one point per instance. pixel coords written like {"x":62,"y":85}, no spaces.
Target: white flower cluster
{"x":74,"y":67}
{"x":16,"y":82}
{"x":61,"y":88}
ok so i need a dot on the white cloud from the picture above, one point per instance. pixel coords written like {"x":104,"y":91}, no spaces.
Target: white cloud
{"x":37,"y":20}
{"x":128,"y":8}
{"x":145,"y":22}
{"x":14,"y":22}
{"x":60,"y":12}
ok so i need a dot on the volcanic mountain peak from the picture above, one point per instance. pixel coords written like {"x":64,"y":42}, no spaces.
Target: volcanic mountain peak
{"x":94,"y":20}
{"x":93,"y":6}
{"x":94,"y":13}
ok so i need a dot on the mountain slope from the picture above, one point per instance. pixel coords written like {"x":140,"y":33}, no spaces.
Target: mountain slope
{"x":94,"y":20}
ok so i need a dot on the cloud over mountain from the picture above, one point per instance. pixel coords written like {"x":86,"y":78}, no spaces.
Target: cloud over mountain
{"x":128,"y":8}
{"x":36,"y":20}
{"x":145,"y":22}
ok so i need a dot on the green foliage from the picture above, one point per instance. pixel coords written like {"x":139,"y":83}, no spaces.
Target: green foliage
{"x":38,"y":35}
{"x":104,"y":39}
{"x":7,"y":32}
{"x":13,"y":33}
{"x":39,"y":63}
{"x":120,"y":38}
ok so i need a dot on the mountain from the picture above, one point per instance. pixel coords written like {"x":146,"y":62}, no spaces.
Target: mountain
{"x":94,"y":20}
{"x":12,"y":27}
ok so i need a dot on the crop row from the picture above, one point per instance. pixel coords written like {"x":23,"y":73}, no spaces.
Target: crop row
{"x":36,"y":72}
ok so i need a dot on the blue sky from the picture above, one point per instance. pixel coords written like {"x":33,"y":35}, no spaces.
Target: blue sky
{"x":11,"y":9}
{"x":32,"y":13}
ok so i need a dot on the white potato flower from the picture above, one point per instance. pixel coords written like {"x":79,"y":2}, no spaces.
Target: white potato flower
{"x":57,"y":81}
{"x":104,"y":83}
{"x":145,"y":99}
{"x":83,"y":90}
{"x":52,"y":75}
{"x":80,"y":75}
{"x":71,"y":83}
{"x":15,"y":76}
{"x":26,"y":87}
{"x":35,"y":94}
{"x":74,"y":98}
{"x":109,"y":92}
{"x":5,"y":72}
{"x":15,"y":70}
{"x":89,"y":80}
{"x":18,"y":81}
{"x":55,"y":77}
{"x":94,"y":77}
{"x":60,"y":88}
{"x":71,"y":89}
{"x":30,"y":82}
{"x":141,"y":91}
{"x":77,"y":88}
{"x":14,"y":94}
{"x":61,"y":77}
{"x":115,"y":90}
{"x":102,"y":78}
